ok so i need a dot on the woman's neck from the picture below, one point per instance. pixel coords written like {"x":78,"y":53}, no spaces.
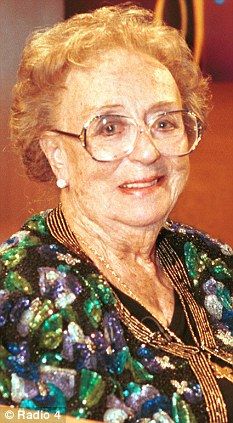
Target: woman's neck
{"x":112,"y":238}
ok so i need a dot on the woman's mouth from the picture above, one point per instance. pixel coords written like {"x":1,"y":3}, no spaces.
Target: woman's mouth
{"x":143,"y":185}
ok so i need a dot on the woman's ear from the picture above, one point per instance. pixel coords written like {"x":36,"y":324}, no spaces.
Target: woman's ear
{"x":53,"y":150}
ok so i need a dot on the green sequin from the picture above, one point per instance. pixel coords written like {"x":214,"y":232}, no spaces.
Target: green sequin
{"x":99,"y":289}
{"x":51,"y":332}
{"x":1,"y":267}
{"x":51,"y":359}
{"x":29,"y":241}
{"x":15,"y":282}
{"x":5,"y":386}
{"x":63,"y":268}
{"x":91,"y":387}
{"x":105,"y":294}
{"x":181,"y":411}
{"x":92,"y":280}
{"x":132,"y":388}
{"x":116,"y":388}
{"x":120,"y":360}
{"x":44,"y":310}
{"x":3,"y":365}
{"x":81,"y":413}
{"x":13,"y":257}
{"x":92,"y":308}
{"x":69,"y":314}
{"x":3,"y":352}
{"x":37,"y":223}
{"x":140,"y":374}
{"x":221,"y":272}
{"x":224,"y":296}
{"x":196,"y":263}
{"x":191,"y":259}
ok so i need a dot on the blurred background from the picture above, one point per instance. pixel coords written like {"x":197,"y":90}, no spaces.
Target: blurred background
{"x":207,"y":27}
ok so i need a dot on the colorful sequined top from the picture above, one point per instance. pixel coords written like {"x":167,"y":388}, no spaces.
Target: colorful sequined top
{"x":69,"y":345}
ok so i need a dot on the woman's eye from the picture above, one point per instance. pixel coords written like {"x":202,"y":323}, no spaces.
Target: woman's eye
{"x":110,"y":129}
{"x":164,"y":124}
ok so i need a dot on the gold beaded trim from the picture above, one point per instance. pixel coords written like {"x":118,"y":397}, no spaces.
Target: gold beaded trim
{"x":175,"y":270}
{"x":198,"y":356}
{"x":215,"y":404}
{"x":222,"y":372}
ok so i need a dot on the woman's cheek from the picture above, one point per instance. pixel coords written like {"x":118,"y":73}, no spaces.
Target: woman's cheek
{"x":179,"y":173}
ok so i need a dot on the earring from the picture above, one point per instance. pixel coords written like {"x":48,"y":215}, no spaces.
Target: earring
{"x":61,"y":183}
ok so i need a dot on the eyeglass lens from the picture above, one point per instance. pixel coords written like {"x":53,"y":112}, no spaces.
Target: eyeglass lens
{"x":112,"y":137}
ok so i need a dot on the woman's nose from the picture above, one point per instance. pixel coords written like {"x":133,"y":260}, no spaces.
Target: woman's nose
{"x":145,"y":150}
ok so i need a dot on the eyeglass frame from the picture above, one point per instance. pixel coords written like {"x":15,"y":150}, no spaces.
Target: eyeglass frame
{"x":140,"y":130}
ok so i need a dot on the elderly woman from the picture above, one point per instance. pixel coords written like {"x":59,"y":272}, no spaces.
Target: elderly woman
{"x":109,"y":311}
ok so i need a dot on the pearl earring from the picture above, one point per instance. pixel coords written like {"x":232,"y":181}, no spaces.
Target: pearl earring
{"x":61,"y":183}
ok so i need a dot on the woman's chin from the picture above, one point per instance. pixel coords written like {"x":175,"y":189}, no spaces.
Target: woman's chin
{"x":145,"y":211}
{"x":142,"y":220}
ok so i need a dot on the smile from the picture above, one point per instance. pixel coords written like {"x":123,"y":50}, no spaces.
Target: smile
{"x":142,"y":184}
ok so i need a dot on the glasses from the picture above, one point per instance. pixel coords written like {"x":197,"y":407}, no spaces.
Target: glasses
{"x":112,"y":137}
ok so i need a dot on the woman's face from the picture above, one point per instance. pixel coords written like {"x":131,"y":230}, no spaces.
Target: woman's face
{"x":141,"y":189}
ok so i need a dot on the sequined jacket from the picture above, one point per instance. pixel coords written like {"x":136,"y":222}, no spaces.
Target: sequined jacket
{"x":69,"y":346}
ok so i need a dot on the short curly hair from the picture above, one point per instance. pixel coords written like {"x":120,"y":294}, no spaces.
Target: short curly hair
{"x":50,"y":53}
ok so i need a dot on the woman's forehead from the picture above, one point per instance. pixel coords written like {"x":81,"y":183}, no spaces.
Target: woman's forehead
{"x":120,"y":77}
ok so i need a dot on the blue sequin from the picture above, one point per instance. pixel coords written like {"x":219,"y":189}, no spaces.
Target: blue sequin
{"x":13,"y":348}
{"x":17,"y":310}
{"x":28,"y":371}
{"x":144,"y":352}
{"x":160,"y":402}
{"x":193,"y":394}
{"x":227,"y":318}
{"x":100,"y":342}
{"x":53,"y":402}
{"x":5,"y":309}
{"x":84,"y":358}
